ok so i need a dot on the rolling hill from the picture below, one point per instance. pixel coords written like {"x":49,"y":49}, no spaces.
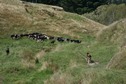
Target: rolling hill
{"x":60,"y":62}
{"x":30,"y":17}
{"x":115,"y":34}
{"x":107,"y":14}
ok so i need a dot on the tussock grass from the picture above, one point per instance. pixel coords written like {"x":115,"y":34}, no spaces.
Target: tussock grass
{"x":12,"y":2}
{"x":20,"y":63}
{"x":87,"y":76}
{"x":28,"y":60}
{"x":58,"y":61}
{"x":107,"y":14}
{"x":118,"y":61}
{"x":115,"y":33}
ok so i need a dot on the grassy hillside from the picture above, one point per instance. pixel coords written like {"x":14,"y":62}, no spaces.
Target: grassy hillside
{"x":59,"y":63}
{"x":108,"y":14}
{"x":118,"y":61}
{"x":115,"y":34}
{"x":13,"y":2}
{"x":31,"y":17}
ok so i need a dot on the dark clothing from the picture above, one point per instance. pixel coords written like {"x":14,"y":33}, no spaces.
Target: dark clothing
{"x":36,"y":61}
{"x":88,"y":58}
{"x":7,"y":51}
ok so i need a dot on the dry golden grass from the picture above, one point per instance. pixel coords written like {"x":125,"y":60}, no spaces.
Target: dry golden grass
{"x":40,"y":54}
{"x":28,"y":60}
{"x":30,"y":17}
{"x":44,"y":66}
{"x":73,"y":64}
{"x":119,"y":60}
{"x":53,"y":67}
{"x":114,"y":33}
{"x":59,"y":78}
{"x":12,"y":2}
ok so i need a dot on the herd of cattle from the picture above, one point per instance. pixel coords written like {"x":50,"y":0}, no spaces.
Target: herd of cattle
{"x":42,"y":37}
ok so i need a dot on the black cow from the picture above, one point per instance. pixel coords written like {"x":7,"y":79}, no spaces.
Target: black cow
{"x":76,"y":41}
{"x":60,"y":39}
{"x":51,"y":38}
{"x":68,"y":40}
{"x":53,"y":41}
{"x":41,"y":37}
{"x":15,"y":36}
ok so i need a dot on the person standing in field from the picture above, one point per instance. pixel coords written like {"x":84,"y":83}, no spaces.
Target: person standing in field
{"x":88,"y":58}
{"x":7,"y":51}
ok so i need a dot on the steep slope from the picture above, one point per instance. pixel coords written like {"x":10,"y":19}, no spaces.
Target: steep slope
{"x":115,"y":34}
{"x":28,"y":17}
{"x":107,"y":14}
{"x":109,"y":50}
{"x":59,"y":62}
{"x":119,"y":60}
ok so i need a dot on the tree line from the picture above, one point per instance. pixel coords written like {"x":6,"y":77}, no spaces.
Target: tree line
{"x":78,"y":6}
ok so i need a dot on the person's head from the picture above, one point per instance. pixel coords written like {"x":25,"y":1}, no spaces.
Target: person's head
{"x":87,"y":53}
{"x":90,"y":56}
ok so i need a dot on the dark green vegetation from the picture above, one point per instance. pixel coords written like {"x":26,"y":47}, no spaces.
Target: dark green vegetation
{"x":78,"y":6}
{"x":59,"y":63}
{"x":107,"y":14}
{"x":63,"y":58}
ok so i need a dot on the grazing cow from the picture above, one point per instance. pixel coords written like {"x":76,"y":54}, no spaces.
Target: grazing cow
{"x":71,"y":40}
{"x":51,"y":38}
{"x":41,"y":37}
{"x":23,"y":35}
{"x":15,"y":36}
{"x":12,"y":36}
{"x":53,"y":41}
{"x":60,"y":39}
{"x":38,"y":39}
{"x":46,"y":37}
{"x":68,"y":40}
{"x":77,"y":41}
{"x":32,"y":36}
